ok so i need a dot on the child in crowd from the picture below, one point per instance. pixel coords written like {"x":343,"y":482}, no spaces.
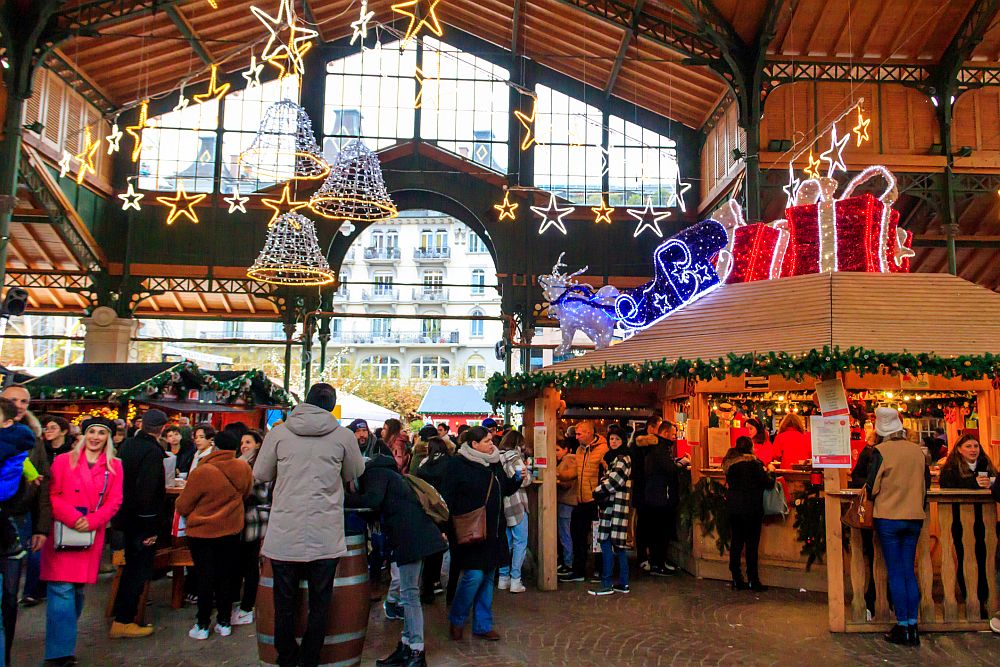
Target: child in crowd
{"x":16,"y":441}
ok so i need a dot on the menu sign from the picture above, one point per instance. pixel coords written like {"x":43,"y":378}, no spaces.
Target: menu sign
{"x":832,"y":398}
{"x":831,"y":441}
{"x":718,"y":445}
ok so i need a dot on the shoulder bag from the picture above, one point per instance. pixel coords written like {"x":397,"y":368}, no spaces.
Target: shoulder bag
{"x":470,"y":528}
{"x":70,"y":539}
{"x":860,"y":513}
{"x":774,"y":500}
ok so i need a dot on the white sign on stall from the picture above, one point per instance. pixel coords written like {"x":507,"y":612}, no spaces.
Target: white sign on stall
{"x":832,"y":398}
{"x":831,"y":441}
{"x":541,"y":433}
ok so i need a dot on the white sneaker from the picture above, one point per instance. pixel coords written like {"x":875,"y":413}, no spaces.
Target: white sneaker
{"x":644,"y":565}
{"x":223,"y":630}
{"x":516,"y":586}
{"x":198,"y":632}
{"x":241,"y":617}
{"x":504,"y":583}
{"x":995,"y":624}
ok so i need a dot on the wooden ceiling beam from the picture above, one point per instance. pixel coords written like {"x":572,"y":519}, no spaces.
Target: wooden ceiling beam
{"x":903,"y":34}
{"x":201,"y":302}
{"x":89,"y":16}
{"x":41,"y":248}
{"x":225,"y":303}
{"x":188,"y":33}
{"x":250,"y":306}
{"x":843,"y":32}
{"x":177,"y":302}
{"x":627,"y":38}
{"x":808,"y":48}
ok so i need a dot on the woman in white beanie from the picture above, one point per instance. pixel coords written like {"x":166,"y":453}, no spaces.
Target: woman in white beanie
{"x":898,"y":479}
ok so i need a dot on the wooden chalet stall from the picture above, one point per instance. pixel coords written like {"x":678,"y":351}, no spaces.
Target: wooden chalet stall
{"x":889,"y":337}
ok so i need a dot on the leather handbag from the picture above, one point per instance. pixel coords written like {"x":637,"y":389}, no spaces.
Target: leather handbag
{"x":70,"y":539}
{"x":470,"y":528}
{"x":860,"y":513}
{"x":774,"y":500}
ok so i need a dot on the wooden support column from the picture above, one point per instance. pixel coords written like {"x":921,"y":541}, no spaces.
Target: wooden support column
{"x":834,"y":552}
{"x":543,"y":431}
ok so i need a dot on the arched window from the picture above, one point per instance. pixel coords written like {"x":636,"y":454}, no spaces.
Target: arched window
{"x":478,"y":282}
{"x":381,"y":366}
{"x":476,"y":326}
{"x":475,"y":368}
{"x":430,"y":367}
{"x":568,"y":157}
{"x":641,"y":164}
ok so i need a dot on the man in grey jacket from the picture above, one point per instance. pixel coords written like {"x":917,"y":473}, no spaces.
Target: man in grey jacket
{"x":309,"y":458}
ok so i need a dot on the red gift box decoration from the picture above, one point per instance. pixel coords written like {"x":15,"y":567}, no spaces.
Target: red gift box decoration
{"x":760,"y":249}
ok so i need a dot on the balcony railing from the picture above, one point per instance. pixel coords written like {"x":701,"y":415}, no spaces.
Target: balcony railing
{"x":430,"y":295}
{"x":381,"y":295}
{"x":396,"y":338}
{"x":240,"y":334}
{"x":382,"y":254}
{"x":431,"y":254}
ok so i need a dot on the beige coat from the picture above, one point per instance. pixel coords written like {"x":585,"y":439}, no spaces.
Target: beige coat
{"x":309,"y":458}
{"x":566,"y":480}
{"x":900,"y":488}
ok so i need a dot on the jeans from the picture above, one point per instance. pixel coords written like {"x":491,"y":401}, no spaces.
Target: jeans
{"x":517,"y":538}
{"x":409,"y":597}
{"x":61,"y":614}
{"x":33,"y":586}
{"x":392,"y":595}
{"x":565,"y":513}
{"x":216,"y":561}
{"x":474,"y":594}
{"x":899,"y":546}
{"x":581,"y":524}
{"x":319,"y":575}
{"x":746,"y":533}
{"x":10,"y":570}
{"x":137,"y":571}
{"x":248,"y":575}
{"x":609,"y":556}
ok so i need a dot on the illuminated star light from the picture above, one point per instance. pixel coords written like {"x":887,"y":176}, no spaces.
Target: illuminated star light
{"x":181,"y":204}
{"x":812,"y":170}
{"x":648,"y":218}
{"x":793,"y":185}
{"x":552,"y":215}
{"x":835,"y":154}
{"x":237,"y":202}
{"x":86,"y":156}
{"x":135,"y":131}
{"x":861,"y":129}
{"x":131,"y":198}
{"x":419,"y":75}
{"x":252,"y":73}
{"x":214,"y":91}
{"x":529,"y":125}
{"x":277,"y":204}
{"x":418,"y":19}
{"x":677,"y":199}
{"x":602,"y":213}
{"x":298,"y":38}
{"x":65,"y":164}
{"x":114,"y":139}
{"x":507,"y":208}
{"x":182,"y":102}
{"x":360,"y":27}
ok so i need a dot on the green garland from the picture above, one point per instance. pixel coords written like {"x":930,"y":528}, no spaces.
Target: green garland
{"x":810,"y":522}
{"x":706,"y":503}
{"x":816,"y":363}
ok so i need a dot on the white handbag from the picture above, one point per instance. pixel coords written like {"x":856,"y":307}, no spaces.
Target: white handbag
{"x":70,"y":539}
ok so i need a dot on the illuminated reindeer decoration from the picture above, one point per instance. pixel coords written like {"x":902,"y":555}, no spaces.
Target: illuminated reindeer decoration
{"x":578,"y":307}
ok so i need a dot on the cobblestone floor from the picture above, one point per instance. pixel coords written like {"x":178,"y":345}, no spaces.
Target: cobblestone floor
{"x":678,"y":621}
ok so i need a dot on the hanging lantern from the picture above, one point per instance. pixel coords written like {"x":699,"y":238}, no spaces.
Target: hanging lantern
{"x":355,"y":189}
{"x":284,"y":147}
{"x":291,"y":254}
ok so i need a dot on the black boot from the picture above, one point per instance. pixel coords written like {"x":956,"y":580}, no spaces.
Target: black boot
{"x":912,"y":636}
{"x":898,"y":635}
{"x":755,"y":585}
{"x":398,"y":657}
{"x":416,"y":659}
{"x":738,"y":584}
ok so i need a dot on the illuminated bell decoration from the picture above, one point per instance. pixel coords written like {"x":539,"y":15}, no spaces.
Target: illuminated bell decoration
{"x":291,"y":254}
{"x":355,"y":189}
{"x":285,"y":139}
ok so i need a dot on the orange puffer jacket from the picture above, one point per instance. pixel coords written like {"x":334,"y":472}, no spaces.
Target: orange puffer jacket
{"x":589,"y":469}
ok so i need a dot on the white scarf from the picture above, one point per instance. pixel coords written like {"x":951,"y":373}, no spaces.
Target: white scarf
{"x":199,"y":456}
{"x":466,"y":451}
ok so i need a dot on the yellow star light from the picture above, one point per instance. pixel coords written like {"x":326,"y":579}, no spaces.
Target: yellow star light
{"x":507,"y":208}
{"x":529,"y":125}
{"x":277,"y":204}
{"x":135,"y":131}
{"x":214,"y":91}
{"x":86,"y":156}
{"x":298,"y":38}
{"x":418,"y":19}
{"x":861,"y":129}
{"x":181,"y":204}
{"x":813,"y":169}
{"x":602,"y":213}
{"x":131,"y":198}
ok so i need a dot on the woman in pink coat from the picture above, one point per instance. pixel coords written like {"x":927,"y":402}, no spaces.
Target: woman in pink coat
{"x":86,"y":491}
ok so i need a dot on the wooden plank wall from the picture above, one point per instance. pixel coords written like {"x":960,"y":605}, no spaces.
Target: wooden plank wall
{"x":717,"y":163}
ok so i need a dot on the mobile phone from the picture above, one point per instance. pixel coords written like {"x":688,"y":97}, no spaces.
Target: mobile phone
{"x":984,"y":474}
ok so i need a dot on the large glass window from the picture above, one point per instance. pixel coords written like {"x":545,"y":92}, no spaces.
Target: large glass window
{"x":642,"y":164}
{"x":381,"y":327}
{"x":478,"y":282}
{"x":465,"y":104}
{"x":431,"y":329}
{"x":370,"y":95}
{"x":568,"y":157}
{"x":179,"y":150}
{"x":381,"y":366}
{"x":430,"y":367}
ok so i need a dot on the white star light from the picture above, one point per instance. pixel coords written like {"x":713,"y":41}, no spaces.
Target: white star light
{"x":360,"y":27}
{"x":677,"y":199}
{"x":835,"y":154}
{"x":793,"y":185}
{"x":65,"y":164}
{"x":131,"y":198}
{"x":649,"y":218}
{"x":552,"y":215}
{"x":237,"y":202}
{"x":114,"y":138}
{"x":252,"y":73}
{"x":347,"y":228}
{"x":297,"y":38}
{"x":182,"y":102}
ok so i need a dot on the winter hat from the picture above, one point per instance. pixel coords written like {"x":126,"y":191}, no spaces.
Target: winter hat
{"x":887,"y":421}
{"x":427,"y":432}
{"x":153,"y":419}
{"x":226,"y":441}
{"x":489,"y":422}
{"x":103,"y":422}
{"x":358,"y":424}
{"x":322,"y":396}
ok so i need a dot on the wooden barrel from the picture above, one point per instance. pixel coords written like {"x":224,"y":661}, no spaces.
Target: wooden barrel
{"x":348,"y":619}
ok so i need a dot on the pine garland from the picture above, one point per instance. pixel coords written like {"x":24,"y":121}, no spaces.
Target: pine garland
{"x":706,"y":503}
{"x":810,"y":522}
{"x":815,"y":363}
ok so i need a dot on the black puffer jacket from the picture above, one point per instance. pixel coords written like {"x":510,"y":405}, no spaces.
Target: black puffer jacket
{"x":660,"y":488}
{"x":409,"y":530}
{"x":433,"y":471}
{"x":746,"y":481}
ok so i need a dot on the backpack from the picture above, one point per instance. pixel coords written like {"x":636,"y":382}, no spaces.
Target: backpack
{"x":431,"y":501}
{"x":10,"y":475}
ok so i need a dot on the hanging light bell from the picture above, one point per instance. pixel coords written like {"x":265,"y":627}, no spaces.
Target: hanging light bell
{"x":355,"y":189}
{"x":284,"y":148}
{"x":291,"y":254}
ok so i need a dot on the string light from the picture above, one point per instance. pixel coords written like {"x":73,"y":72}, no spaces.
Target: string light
{"x":181,"y":204}
{"x":677,"y":198}
{"x":418,"y":19}
{"x":114,"y":139}
{"x":552,"y":215}
{"x":360,"y":27}
{"x":649,"y":218}
{"x":793,"y":185}
{"x":214,"y":91}
{"x":299,"y":39}
{"x":237,"y":202}
{"x":506,"y":208}
{"x":131,"y":198}
{"x":603,"y":212}
{"x":135,"y":131}
{"x":730,"y":216}
{"x":812,"y":170}
{"x":65,"y":164}
{"x":861,"y":129}
{"x":418,"y":74}
{"x":86,"y":156}
{"x":252,"y":73}
{"x":528,"y":122}
{"x":291,"y":254}
{"x":834,"y":155}
{"x":277,"y":205}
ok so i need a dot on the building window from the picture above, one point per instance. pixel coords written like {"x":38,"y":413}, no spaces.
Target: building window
{"x":476,"y":326}
{"x":180,"y":150}
{"x":475,"y":368}
{"x":430,"y":367}
{"x":232,"y":330}
{"x":568,"y":157}
{"x":336,"y":329}
{"x":433,"y":282}
{"x":441,"y":239}
{"x":342,"y":287}
{"x":381,"y":327}
{"x":426,"y":239}
{"x":380,"y":366}
{"x":383,"y":284}
{"x":476,"y":245}
{"x":478,"y":282}
{"x":641,"y":164}
{"x":430,"y":330}
{"x":339,"y":365}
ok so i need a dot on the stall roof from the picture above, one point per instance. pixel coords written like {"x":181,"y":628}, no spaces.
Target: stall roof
{"x":454,"y":400}
{"x":111,"y":376}
{"x":930,"y":313}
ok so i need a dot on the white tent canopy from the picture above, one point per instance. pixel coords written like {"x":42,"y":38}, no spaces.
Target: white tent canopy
{"x":351,"y":408}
